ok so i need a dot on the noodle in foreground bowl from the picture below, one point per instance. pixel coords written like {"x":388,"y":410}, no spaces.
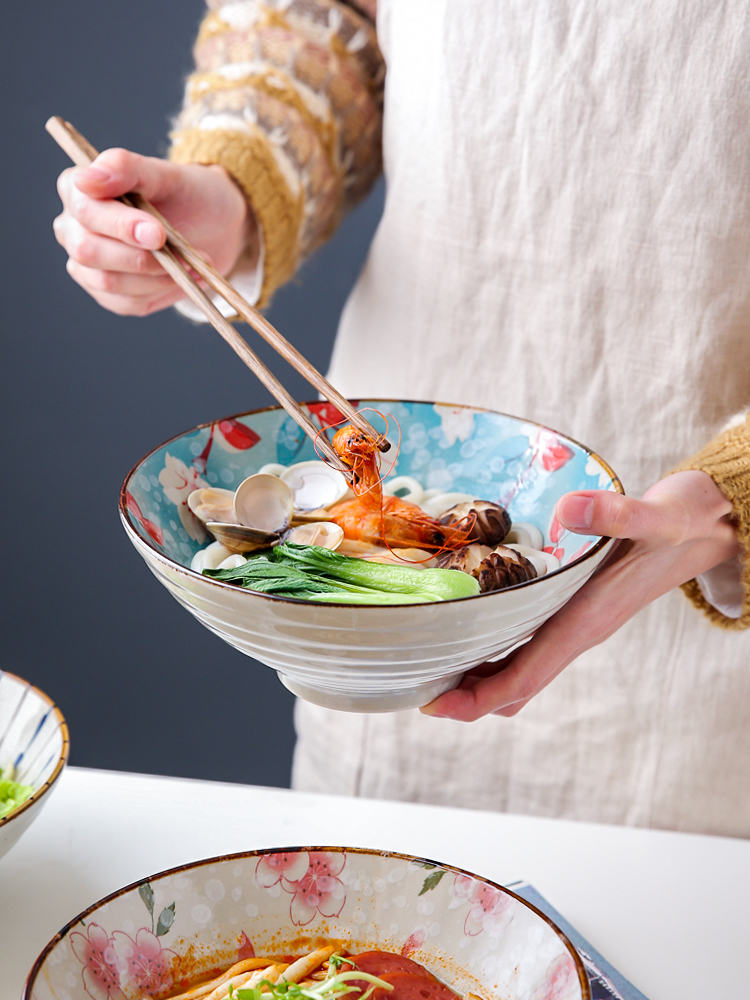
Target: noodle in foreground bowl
{"x":169,"y":933}
{"x":369,"y":657}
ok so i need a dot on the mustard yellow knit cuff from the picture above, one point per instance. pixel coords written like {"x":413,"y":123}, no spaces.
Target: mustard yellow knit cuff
{"x":726,"y":460}
{"x":249,"y":159}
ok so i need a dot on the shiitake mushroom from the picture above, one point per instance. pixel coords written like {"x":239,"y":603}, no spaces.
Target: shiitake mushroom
{"x":503,"y":568}
{"x":491,"y":521}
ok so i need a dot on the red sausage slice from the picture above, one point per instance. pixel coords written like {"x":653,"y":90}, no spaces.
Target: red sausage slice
{"x":408,"y":986}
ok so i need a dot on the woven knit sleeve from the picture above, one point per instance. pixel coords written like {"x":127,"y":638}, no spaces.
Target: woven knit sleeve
{"x":287,"y":96}
{"x":727,"y":461}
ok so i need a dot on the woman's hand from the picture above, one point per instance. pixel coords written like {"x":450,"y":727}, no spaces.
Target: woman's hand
{"x":680,"y":528}
{"x":108,"y":243}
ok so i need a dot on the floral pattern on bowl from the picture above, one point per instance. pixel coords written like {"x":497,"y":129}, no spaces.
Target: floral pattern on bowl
{"x":151,"y":939}
{"x":519,"y":464}
{"x":369,"y":658}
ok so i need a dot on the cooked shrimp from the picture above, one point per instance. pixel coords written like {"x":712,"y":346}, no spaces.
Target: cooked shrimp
{"x":370,"y":516}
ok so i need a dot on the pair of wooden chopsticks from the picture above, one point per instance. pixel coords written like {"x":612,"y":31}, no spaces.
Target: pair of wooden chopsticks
{"x":176,"y":251}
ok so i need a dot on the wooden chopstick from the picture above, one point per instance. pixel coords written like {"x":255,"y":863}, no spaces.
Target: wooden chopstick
{"x":83,"y":154}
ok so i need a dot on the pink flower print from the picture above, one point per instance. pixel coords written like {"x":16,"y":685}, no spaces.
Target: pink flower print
{"x":552,"y":453}
{"x":244,"y":948}
{"x":461,"y":889}
{"x":558,"y":553}
{"x":178,"y":482}
{"x":152,"y":529}
{"x":319,"y":890}
{"x":143,"y":963}
{"x":234,"y":436}
{"x":95,"y":952}
{"x":579,"y":552}
{"x":560,"y":980}
{"x":414,"y":942}
{"x":329,"y":415}
{"x":491,"y":911}
{"x":273,"y":868}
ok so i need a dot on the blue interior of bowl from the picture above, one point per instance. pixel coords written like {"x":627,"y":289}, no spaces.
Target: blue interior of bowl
{"x":496,"y":457}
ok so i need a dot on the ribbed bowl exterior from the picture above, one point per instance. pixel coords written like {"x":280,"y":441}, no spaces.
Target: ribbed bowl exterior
{"x":370,"y":659}
{"x":34,"y":743}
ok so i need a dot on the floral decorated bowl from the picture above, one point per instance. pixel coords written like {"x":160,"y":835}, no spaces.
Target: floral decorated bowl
{"x":376,"y":658}
{"x":153,"y":938}
{"x":33,"y":750}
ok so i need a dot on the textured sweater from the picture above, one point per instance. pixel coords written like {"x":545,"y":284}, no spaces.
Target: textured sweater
{"x":287,"y":95}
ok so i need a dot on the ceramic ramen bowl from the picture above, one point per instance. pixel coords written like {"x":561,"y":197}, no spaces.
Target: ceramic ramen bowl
{"x":154,"y":937}
{"x":34,"y":745}
{"x":358,"y":658}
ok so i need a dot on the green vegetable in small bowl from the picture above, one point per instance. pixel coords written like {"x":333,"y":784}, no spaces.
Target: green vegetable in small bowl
{"x":12,"y":794}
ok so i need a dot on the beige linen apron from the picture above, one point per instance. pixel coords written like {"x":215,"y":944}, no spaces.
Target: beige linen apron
{"x":566,"y":237}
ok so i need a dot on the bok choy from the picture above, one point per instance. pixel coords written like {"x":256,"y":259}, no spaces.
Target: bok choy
{"x":314,"y":573}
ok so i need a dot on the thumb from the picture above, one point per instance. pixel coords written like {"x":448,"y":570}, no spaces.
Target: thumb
{"x":118,"y":171}
{"x":600,"y":512}
{"x":682,"y":506}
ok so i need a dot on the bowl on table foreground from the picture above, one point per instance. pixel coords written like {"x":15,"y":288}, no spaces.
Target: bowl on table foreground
{"x":359,"y":658}
{"x":33,"y":745}
{"x":152,"y":938}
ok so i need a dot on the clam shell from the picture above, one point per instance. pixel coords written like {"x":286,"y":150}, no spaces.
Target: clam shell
{"x":325,"y":534}
{"x":212,"y":504}
{"x":239,"y":538}
{"x":314,"y":484}
{"x":263,"y":502}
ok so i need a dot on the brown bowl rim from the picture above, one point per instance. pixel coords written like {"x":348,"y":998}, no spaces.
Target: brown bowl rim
{"x":64,"y":751}
{"x":190,"y":866}
{"x":367,"y":608}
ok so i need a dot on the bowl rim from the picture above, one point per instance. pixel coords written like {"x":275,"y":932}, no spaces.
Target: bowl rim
{"x":192,"y":865}
{"x":64,"y":750}
{"x":366,"y":608}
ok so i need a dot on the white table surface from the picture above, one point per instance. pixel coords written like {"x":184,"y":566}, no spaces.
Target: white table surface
{"x":670,"y":911}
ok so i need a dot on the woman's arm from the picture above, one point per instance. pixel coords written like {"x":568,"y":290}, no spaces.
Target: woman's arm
{"x":279,"y":135}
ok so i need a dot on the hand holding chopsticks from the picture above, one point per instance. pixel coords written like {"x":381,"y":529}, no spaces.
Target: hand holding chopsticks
{"x":176,"y":257}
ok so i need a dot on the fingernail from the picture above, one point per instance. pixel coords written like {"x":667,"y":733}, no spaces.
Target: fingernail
{"x":97,"y":174}
{"x":576,"y":512}
{"x":147,"y":234}
{"x":429,"y":710}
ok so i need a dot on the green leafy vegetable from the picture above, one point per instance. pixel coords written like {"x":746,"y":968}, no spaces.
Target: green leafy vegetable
{"x":314,"y":573}
{"x":12,"y":794}
{"x":335,"y":985}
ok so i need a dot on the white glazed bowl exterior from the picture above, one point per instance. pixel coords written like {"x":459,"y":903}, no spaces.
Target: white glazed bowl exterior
{"x":146,"y":939}
{"x":34,"y":739}
{"x":370,"y":659}
{"x":358,"y":658}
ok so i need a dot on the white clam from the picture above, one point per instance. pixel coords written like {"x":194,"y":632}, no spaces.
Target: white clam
{"x":322,"y":533}
{"x":212,"y":504}
{"x":543,"y":562}
{"x":210,"y":557}
{"x":264,"y":503}
{"x":524,"y":533}
{"x":314,"y":484}
{"x":238,"y":538}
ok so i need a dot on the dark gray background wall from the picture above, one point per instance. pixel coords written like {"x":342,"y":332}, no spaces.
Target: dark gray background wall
{"x":84,"y":394}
